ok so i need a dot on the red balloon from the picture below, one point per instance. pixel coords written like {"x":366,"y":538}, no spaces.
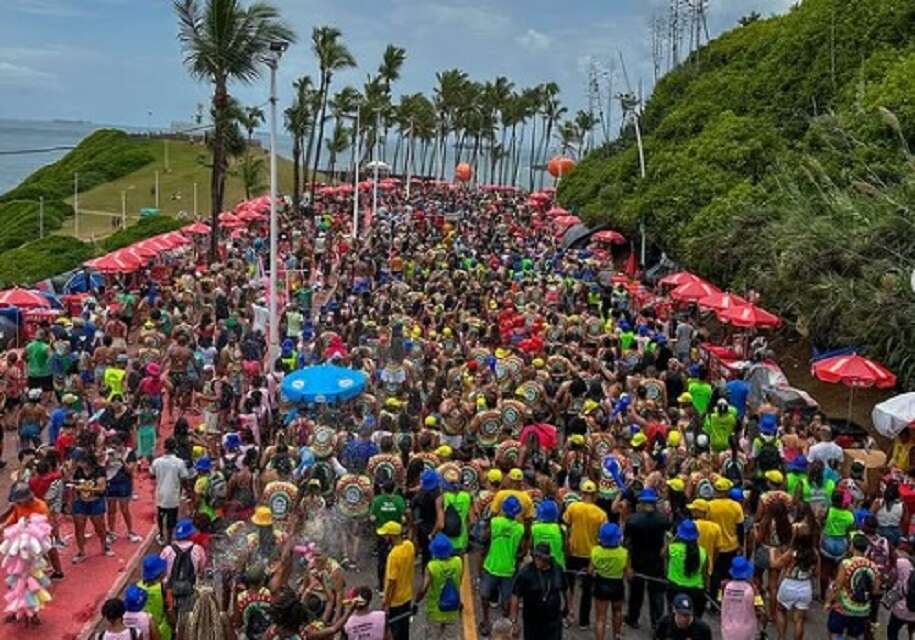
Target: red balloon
{"x":560,"y":166}
{"x":463,"y":172}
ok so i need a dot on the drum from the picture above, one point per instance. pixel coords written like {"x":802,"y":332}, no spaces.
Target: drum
{"x":508,"y":452}
{"x":531,"y":393}
{"x":386,"y":466}
{"x":429,"y":460}
{"x":654,"y":390}
{"x":323,"y":441}
{"x":514,"y":415}
{"x":488,"y":427}
{"x":354,"y":495}
{"x":601,"y":445}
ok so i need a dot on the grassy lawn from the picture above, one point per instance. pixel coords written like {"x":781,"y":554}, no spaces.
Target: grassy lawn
{"x":176,"y":188}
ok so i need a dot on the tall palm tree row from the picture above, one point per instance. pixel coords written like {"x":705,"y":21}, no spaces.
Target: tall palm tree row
{"x":299,"y":119}
{"x":223,"y":41}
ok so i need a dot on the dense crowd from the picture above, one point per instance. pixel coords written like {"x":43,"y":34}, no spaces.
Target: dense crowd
{"x":535,"y":448}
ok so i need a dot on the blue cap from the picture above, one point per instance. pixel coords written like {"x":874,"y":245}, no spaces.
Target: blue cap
{"x":610,"y":535}
{"x":232,"y":441}
{"x":153,"y":567}
{"x":660,"y":338}
{"x":203,"y":464}
{"x":184,"y":529}
{"x":736,"y":494}
{"x":648,"y":495}
{"x":798,"y":464}
{"x":687,"y":531}
{"x":135,"y":598}
{"x":682,"y":603}
{"x":547,"y":511}
{"x":429,"y":480}
{"x":511,"y":506}
{"x":440,"y":547}
{"x":741,"y":568}
{"x":768,"y":424}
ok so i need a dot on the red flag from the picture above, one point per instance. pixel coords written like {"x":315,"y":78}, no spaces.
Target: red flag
{"x":632,"y":263}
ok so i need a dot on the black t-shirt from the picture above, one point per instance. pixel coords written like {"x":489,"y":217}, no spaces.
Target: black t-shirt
{"x":667,"y":629}
{"x":645,"y":535}
{"x":541,"y":593}
{"x":424,"y":511}
{"x":93,"y":473}
{"x":123,"y":424}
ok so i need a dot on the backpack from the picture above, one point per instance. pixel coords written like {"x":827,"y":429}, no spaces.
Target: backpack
{"x":256,"y":619}
{"x":134,"y":634}
{"x":450,"y":598}
{"x":453,"y":524}
{"x":861,"y":583}
{"x":183,"y":577}
{"x":769,"y":458}
{"x":217,"y":489}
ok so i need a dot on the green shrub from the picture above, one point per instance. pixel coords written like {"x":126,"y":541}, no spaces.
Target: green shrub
{"x":20,"y":220}
{"x":42,"y":259}
{"x":145,"y":228}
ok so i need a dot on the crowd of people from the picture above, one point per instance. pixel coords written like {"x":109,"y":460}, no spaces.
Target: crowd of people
{"x":534,"y":449}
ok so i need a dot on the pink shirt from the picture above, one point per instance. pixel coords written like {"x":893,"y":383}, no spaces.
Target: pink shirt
{"x":139,"y":620}
{"x":365,"y":627}
{"x":738,"y":613}
{"x":198,"y":557}
{"x":903,"y":569}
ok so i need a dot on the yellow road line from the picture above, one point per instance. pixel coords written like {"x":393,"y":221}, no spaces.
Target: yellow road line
{"x":469,"y":612}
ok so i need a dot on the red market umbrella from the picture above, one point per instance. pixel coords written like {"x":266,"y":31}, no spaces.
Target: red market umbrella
{"x":679,"y":278}
{"x":157,"y":244}
{"x":693,"y":291}
{"x":609,"y":237}
{"x":749,"y":316}
{"x":720,"y":301}
{"x":853,"y":370}
{"x":114,"y":263}
{"x":345,"y":188}
{"x":143,"y":250}
{"x":566,"y":221}
{"x":23,"y":299}
{"x":141,"y":257}
{"x":175,"y":238}
{"x":557,"y":212}
{"x":198,"y":229}
{"x":229,"y":220}
{"x":540,"y":195}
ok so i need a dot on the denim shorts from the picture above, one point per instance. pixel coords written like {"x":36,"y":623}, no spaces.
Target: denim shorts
{"x":834,"y":547}
{"x":496,"y":586}
{"x":90,"y":508}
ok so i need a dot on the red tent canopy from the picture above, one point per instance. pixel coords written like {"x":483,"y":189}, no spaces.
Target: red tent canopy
{"x":229,"y":220}
{"x":198,"y":228}
{"x":719,"y":301}
{"x":116,"y":262}
{"x":749,"y":315}
{"x":157,"y":243}
{"x":143,"y":249}
{"x":566,"y":221}
{"x":693,"y":291}
{"x":609,"y":236}
{"x":853,"y":371}
{"x":679,"y":278}
{"x":557,"y":212}
{"x":23,"y":299}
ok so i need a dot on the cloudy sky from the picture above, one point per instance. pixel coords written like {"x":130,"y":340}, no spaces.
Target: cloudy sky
{"x":115,"y":61}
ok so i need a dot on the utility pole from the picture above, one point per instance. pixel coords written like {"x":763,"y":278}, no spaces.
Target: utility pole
{"x":358,"y":160}
{"x":195,"y":201}
{"x":157,"y":189}
{"x":375,"y":165}
{"x":409,"y":159}
{"x":40,"y":217}
{"x":123,"y":209}
{"x":76,"y":205}
{"x":277,"y":48}
{"x":167,"y":169}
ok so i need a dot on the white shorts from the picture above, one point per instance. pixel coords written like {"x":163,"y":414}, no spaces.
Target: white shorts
{"x":795,"y":594}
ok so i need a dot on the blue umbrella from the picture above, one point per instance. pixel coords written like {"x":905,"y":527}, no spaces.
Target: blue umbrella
{"x":53,"y":300}
{"x":82,"y":281}
{"x":323,"y":383}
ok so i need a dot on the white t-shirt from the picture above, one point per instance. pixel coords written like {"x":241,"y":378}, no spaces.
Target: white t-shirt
{"x":825,"y":451}
{"x":168,"y":471}
{"x":261,"y":317}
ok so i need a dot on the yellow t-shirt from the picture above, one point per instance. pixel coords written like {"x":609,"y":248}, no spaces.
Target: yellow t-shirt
{"x":901,"y":455}
{"x":399,"y":570}
{"x":527,"y":505}
{"x":584,"y":520}
{"x":727,"y":514}
{"x":709,"y":539}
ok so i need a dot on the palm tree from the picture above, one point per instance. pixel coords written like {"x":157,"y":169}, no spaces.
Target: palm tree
{"x":332,"y":56}
{"x":448,"y":97}
{"x":251,"y":118}
{"x":343,"y":104}
{"x":388,"y":72}
{"x":298,"y":122}
{"x":223,"y":41}
{"x":586,"y":121}
{"x":337,"y":144}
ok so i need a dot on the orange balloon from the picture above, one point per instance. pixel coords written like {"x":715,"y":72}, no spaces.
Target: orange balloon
{"x":463,"y":172}
{"x":560,"y":166}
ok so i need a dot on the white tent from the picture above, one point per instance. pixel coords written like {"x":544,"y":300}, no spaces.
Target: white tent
{"x":892,"y":416}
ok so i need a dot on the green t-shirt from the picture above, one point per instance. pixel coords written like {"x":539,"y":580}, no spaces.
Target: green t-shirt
{"x":387,"y":508}
{"x":461,"y":501}
{"x":792,"y":480}
{"x":609,"y":562}
{"x":701,"y":393}
{"x":676,"y":570}
{"x":551,"y":534}
{"x":505,"y":538}
{"x":838,"y":522}
{"x":626,"y":340}
{"x":38,"y":359}
{"x":719,"y":428}
{"x":127,"y":302}
{"x":440,"y":571}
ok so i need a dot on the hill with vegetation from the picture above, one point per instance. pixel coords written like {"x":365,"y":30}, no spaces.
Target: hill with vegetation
{"x":778,"y":159}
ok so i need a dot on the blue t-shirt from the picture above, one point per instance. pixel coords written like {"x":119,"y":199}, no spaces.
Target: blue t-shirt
{"x":55,"y":422}
{"x":738,"y":392}
{"x":356,"y":454}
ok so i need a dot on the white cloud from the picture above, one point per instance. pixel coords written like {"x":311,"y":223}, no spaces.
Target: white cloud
{"x":20,"y":74}
{"x":534,"y":40}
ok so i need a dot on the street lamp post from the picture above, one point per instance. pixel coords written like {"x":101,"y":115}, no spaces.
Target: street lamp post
{"x":277,"y":48}
{"x":375,"y":165}
{"x":356,"y":176}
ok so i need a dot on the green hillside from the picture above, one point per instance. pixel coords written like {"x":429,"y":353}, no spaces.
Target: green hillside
{"x":778,"y":158}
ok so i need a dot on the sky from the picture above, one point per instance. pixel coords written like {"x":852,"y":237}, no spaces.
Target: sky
{"x":118,"y":61}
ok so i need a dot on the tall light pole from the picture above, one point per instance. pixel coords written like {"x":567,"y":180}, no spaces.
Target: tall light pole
{"x":409,"y":154}
{"x":356,"y":175}
{"x":375,"y":164}
{"x":40,"y":217}
{"x":76,"y":205}
{"x":277,"y":48}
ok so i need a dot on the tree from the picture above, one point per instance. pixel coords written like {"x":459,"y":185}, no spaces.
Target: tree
{"x":250,"y":119}
{"x":299,"y":119}
{"x":337,"y":144}
{"x":223,"y":41}
{"x":332,"y":56}
{"x":251,"y":172}
{"x":344,"y":104}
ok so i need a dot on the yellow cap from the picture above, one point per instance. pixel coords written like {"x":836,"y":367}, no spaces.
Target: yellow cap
{"x":197,"y":451}
{"x":577,"y":438}
{"x":723,"y":484}
{"x":149,"y":324}
{"x":538,"y":363}
{"x":674,"y":438}
{"x":444,"y":451}
{"x":446,"y":332}
{"x":417,"y":331}
{"x":493,"y":305}
{"x":262,"y":517}
{"x":775,"y":476}
{"x":516,"y":474}
{"x":393,"y":403}
{"x":589,"y":406}
{"x":430,"y":421}
{"x":494,"y":476}
{"x":391,"y":528}
{"x":639,"y":439}
{"x":699,"y":505}
{"x":685,"y":398}
{"x":502,"y":353}
{"x":676,"y":484}
{"x":588,"y":487}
